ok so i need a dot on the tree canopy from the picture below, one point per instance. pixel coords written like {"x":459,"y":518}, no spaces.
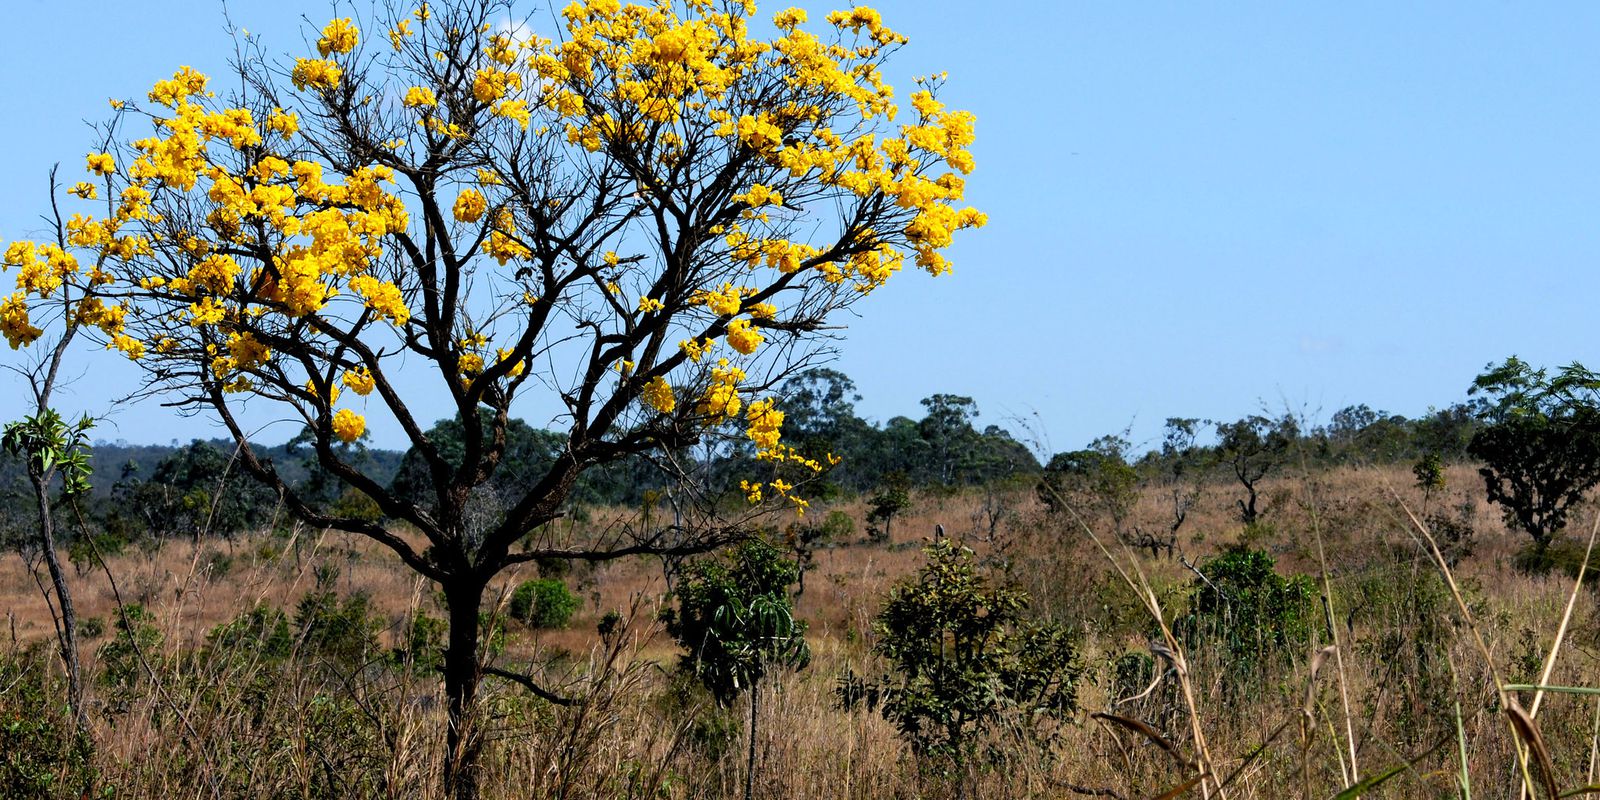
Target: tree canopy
{"x":649,"y":215}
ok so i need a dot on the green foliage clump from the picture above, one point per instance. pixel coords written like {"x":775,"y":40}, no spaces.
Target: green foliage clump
{"x":135,"y":641}
{"x":342,"y":632}
{"x":1257,"y":616}
{"x":543,"y":603}
{"x":1096,"y":480}
{"x":967,"y":657}
{"x":41,"y":753}
{"x":892,"y":497}
{"x":262,"y":632}
{"x":1252,"y":448}
{"x":1540,"y":447}
{"x":734,"y":619}
{"x":423,"y":645}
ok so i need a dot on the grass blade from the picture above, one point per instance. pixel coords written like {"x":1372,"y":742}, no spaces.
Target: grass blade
{"x":1148,"y":732}
{"x":1371,"y":782}
{"x":1528,"y":731}
{"x":1533,"y":687}
{"x":1177,"y":791}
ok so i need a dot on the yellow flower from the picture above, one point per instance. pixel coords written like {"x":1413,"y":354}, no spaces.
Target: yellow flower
{"x":127,"y":345}
{"x":658,"y":393}
{"x":101,"y":163}
{"x":470,"y":205}
{"x":359,"y":381}
{"x":503,"y":353}
{"x":789,"y":18}
{"x":339,"y":37}
{"x":419,"y":96}
{"x":14,"y":322}
{"x":760,"y":196}
{"x":752,"y":491}
{"x":743,"y":337}
{"x":766,"y":424}
{"x":315,"y":73}
{"x":721,"y":399}
{"x":382,"y":297}
{"x":284,"y":124}
{"x":348,"y":425}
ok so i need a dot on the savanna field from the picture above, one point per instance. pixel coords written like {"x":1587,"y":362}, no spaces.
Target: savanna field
{"x":500,"y":348}
{"x":340,"y":710}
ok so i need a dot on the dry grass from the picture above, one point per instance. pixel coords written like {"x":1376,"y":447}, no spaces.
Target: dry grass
{"x":1408,"y":658}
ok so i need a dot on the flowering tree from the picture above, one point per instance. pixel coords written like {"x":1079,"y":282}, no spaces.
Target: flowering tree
{"x":650,"y":217}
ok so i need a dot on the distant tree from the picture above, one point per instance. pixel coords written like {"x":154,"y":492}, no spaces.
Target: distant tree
{"x":323,"y":490}
{"x":1362,"y":434}
{"x":998,"y":456}
{"x":1539,"y":444}
{"x":1252,"y":448}
{"x":892,"y":497}
{"x":1447,"y":431}
{"x":1182,"y":463}
{"x":201,"y":489}
{"x":528,"y":454}
{"x":947,"y":429}
{"x":820,"y":406}
{"x":1097,"y":481}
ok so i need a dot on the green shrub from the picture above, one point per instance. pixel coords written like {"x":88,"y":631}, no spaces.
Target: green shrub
{"x":735,"y":620}
{"x":262,"y":632}
{"x":91,"y":627}
{"x":1256,"y":615}
{"x":543,"y":603}
{"x":969,"y":658}
{"x":40,"y":755}
{"x":120,"y":668}
{"x":423,"y":646}
{"x":344,"y":632}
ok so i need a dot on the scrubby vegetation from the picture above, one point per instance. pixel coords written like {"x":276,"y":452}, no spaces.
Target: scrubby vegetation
{"x":1033,"y":645}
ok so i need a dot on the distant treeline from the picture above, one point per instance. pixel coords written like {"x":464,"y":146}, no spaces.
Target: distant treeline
{"x":164,"y":491}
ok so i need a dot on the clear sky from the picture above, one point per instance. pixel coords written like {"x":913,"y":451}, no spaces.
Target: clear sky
{"x":1194,"y":208}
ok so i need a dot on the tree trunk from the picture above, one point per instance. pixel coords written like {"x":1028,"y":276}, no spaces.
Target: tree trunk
{"x":750,"y":766}
{"x":68,"y":632}
{"x":461,"y":674}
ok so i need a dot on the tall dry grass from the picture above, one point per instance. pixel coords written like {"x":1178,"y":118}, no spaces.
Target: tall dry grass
{"x":203,"y":721}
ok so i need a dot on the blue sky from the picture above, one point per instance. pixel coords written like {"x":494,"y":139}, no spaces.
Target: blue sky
{"x":1193,"y":209}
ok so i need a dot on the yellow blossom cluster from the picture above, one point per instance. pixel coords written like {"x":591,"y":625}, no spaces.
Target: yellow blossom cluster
{"x":721,"y":398}
{"x":743,"y":337}
{"x":419,"y":97}
{"x":766,"y":423}
{"x":359,"y":381}
{"x":723,"y":301}
{"x":470,"y":205}
{"x":14,"y":324}
{"x":341,"y":36}
{"x":658,"y":394}
{"x":348,"y":425}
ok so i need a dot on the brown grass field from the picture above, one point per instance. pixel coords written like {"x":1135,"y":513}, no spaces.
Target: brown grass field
{"x":200,"y":722}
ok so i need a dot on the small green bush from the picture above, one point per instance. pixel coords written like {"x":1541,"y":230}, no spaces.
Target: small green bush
{"x":345,"y":632}
{"x":40,"y":754}
{"x":543,"y":603}
{"x":423,"y":647}
{"x":262,"y":632}
{"x":137,"y":637}
{"x":1254,"y":614}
